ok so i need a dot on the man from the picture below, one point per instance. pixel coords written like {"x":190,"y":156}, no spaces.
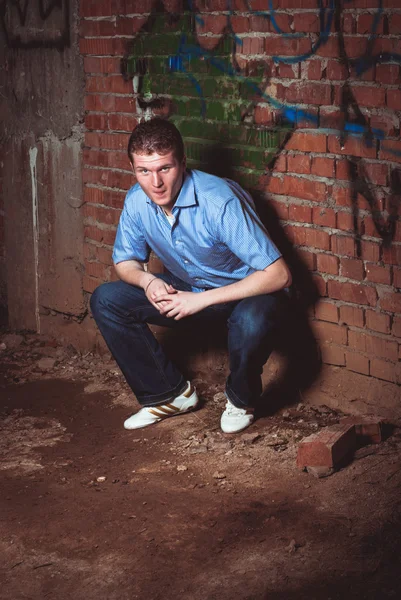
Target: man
{"x":221,"y":265}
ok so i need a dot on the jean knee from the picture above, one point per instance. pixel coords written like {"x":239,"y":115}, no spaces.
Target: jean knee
{"x":254,"y":317}
{"x":100,"y":298}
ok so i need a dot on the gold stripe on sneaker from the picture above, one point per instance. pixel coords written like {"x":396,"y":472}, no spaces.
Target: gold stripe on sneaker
{"x":188,"y":393}
{"x":165,"y":410}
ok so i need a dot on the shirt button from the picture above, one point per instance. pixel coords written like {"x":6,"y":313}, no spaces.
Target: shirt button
{"x":186,"y":262}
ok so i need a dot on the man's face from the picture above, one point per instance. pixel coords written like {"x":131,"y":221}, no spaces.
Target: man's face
{"x":160,"y":176}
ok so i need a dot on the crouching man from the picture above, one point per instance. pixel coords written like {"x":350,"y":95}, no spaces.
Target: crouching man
{"x":220,"y":265}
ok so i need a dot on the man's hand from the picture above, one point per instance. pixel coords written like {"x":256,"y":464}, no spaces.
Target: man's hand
{"x":158,"y":293}
{"x":182,"y":304}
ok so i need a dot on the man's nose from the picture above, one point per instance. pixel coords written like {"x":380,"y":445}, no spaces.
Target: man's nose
{"x":157,"y":180}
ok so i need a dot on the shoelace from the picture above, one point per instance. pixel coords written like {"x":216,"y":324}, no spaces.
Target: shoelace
{"x":233,"y":410}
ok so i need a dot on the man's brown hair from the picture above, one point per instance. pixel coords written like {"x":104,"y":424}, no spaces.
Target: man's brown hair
{"x":156,"y":135}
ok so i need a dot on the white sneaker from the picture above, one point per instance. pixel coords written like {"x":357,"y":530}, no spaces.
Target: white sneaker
{"x":148,"y":415}
{"x":235,"y":419}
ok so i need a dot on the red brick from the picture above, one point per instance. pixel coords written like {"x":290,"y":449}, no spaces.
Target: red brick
{"x":342,"y":169}
{"x":93,"y":233}
{"x":303,"y":188}
{"x":331,"y":48}
{"x":317,"y":238}
{"x":370,"y":251}
{"x":348,"y":23}
{"x":90,"y":251}
{"x":303,"y":214}
{"x":313,"y":70}
{"x":357,"y":362}
{"x":306,"y":22}
{"x":342,"y":195}
{"x":368,"y":429}
{"x":280,"y":208}
{"x":351,"y":292}
{"x":377,"y":321}
{"x":383,"y":369}
{"x":391,"y":149}
{"x":353,"y":146}
{"x":325,"y":217}
{"x":333,"y":355}
{"x":396,"y":329}
{"x":378,"y":274}
{"x":352,"y":269}
{"x":324,"y":167}
{"x":390,"y":301}
{"x":394,"y":100}
{"x":282,"y":46}
{"x":104,"y":255}
{"x":316,"y":93}
{"x":308,"y":258}
{"x":122,"y":122}
{"x":376,"y":172}
{"x":343,"y":245}
{"x":330,"y":333}
{"x":90,"y":284}
{"x":365,"y":24}
{"x":92,"y":8}
{"x":369,"y":96}
{"x":327,"y":448}
{"x":373,"y":345}
{"x":96,"y":121}
{"x":352,"y":316}
{"x":307,"y":142}
{"x":392,"y":255}
{"x":109,"y":236}
{"x":95,"y":269}
{"x":396,"y":277}
{"x":336,"y":71}
{"x":345,"y":221}
{"x":327,"y":263}
{"x":385,"y":123}
{"x":320,"y":284}
{"x":388,"y":74}
{"x":326,"y":311}
{"x":369,"y":227}
{"x":298,"y":163}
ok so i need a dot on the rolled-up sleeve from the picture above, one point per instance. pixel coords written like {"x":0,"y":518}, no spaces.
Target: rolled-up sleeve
{"x":240,"y":228}
{"x":130,"y":243}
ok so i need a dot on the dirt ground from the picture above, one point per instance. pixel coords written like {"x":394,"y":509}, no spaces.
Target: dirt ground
{"x":179,"y":510}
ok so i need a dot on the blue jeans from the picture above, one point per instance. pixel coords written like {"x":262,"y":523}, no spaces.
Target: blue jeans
{"x":122,"y":313}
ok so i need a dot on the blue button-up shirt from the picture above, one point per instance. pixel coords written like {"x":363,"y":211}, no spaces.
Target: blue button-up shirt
{"x":216,"y":237}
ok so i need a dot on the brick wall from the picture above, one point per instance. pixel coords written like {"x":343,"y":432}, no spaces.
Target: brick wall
{"x":299,"y":106}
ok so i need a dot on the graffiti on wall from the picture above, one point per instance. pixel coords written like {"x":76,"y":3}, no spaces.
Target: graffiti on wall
{"x":36,"y":23}
{"x":194,"y":64}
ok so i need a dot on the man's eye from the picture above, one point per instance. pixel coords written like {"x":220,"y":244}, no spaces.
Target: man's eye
{"x":144,"y":171}
{"x":165,"y":168}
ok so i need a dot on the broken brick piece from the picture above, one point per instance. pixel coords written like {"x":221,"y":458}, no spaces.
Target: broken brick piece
{"x":369,"y":430}
{"x":327,"y":448}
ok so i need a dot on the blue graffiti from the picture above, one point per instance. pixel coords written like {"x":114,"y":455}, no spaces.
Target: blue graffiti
{"x":293,"y":114}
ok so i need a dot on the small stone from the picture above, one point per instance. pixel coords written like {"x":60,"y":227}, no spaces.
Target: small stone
{"x":46,"y":364}
{"x":182,"y":468}
{"x":320,"y":472}
{"x":250,"y":438}
{"x":292,"y":547}
{"x":218,"y":475}
{"x":12,"y":340}
{"x":3,"y":347}
{"x":220,"y":397}
{"x":101,"y":479}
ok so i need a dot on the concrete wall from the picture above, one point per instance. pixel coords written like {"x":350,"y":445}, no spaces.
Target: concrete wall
{"x":41,"y":103}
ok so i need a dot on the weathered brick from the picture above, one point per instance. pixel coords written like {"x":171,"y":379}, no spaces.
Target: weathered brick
{"x":325,"y":217}
{"x":390,"y":301}
{"x":327,"y":448}
{"x":330,"y":332}
{"x":343,"y":245}
{"x":327,"y":263}
{"x":352,"y":269}
{"x":350,"y":315}
{"x":300,"y":213}
{"x":369,"y":430}
{"x":326,"y":311}
{"x":307,"y":142}
{"x":373,"y":345}
{"x":324,"y":167}
{"x":351,"y":292}
{"x":383,"y":369}
{"x":377,"y":321}
{"x":378,"y":274}
{"x":357,"y":362}
{"x":333,"y":355}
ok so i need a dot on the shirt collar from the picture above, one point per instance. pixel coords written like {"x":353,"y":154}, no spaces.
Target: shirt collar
{"x":186,"y":197}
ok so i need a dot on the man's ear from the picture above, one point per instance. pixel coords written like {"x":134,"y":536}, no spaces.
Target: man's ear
{"x":184,"y":162}
{"x":132,"y":167}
